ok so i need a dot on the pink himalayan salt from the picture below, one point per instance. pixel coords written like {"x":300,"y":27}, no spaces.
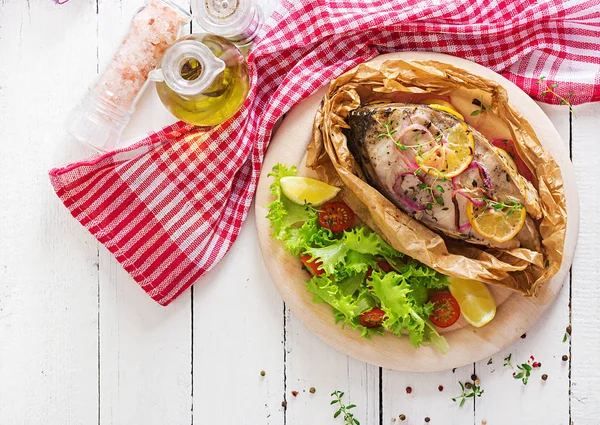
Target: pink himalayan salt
{"x":152,"y":30}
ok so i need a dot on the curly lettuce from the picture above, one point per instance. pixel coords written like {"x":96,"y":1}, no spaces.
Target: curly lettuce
{"x":347,"y":259}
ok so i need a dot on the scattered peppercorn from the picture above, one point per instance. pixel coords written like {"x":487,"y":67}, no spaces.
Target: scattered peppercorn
{"x":569,"y":329}
{"x":402,"y":417}
{"x":408,"y":390}
{"x":393,"y":419}
{"x":263,"y":373}
{"x":468,"y":385}
{"x":295,"y":393}
{"x":440,"y":388}
{"x":284,"y":404}
{"x":477,"y":382}
{"x":524,"y":336}
{"x":427,"y":419}
{"x":483,"y":422}
{"x":565,"y":358}
{"x":544,"y":377}
{"x":473,"y":377}
{"x":312,"y":390}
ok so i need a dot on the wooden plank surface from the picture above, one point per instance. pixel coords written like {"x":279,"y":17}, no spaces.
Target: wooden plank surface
{"x":48,"y":263}
{"x":585,"y":344}
{"x":80,"y":343}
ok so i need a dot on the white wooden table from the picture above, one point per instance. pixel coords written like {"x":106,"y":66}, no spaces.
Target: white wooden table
{"x":80,"y":343}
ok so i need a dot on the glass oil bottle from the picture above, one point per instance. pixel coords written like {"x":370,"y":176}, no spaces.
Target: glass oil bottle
{"x":203,"y":79}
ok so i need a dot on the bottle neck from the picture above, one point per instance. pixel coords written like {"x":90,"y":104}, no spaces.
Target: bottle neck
{"x":189,"y":67}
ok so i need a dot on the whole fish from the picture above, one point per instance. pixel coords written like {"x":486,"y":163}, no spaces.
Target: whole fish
{"x":406,"y":152}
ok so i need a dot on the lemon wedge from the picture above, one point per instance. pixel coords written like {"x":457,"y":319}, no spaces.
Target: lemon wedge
{"x":477,"y":304}
{"x":497,"y":224}
{"x":449,"y":156}
{"x":303,"y":190}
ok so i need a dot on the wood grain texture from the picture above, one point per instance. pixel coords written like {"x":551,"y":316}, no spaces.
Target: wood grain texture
{"x":145,"y":350}
{"x":585,"y":345}
{"x":48,"y":262}
{"x":467,"y":344}
{"x":58,"y":288}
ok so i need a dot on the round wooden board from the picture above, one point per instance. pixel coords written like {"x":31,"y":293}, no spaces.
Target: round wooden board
{"x":515,"y":313}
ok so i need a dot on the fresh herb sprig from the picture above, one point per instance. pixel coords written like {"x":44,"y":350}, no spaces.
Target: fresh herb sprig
{"x":482,"y":108}
{"x":524,"y":372}
{"x":546,"y":90}
{"x":349,"y":418}
{"x":468,"y":391}
{"x":437,"y":200}
{"x":510,"y":204}
{"x":389,"y":133}
{"x":507,"y":361}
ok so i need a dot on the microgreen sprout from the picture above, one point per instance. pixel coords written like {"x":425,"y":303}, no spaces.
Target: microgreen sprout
{"x":550,"y":90}
{"x":349,"y":418}
{"x":525,"y":371}
{"x":468,"y":390}
{"x":507,"y":361}
{"x":510,"y":204}
{"x":482,"y":108}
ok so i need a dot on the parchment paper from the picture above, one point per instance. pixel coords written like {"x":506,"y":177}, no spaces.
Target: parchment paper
{"x":520,"y":269}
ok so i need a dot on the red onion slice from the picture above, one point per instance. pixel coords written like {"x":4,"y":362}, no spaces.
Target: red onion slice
{"x":463,"y":228}
{"x":467,"y":194}
{"x":399,"y":191}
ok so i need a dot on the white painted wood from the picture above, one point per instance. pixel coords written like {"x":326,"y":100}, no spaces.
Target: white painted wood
{"x":310,"y":362}
{"x":145,"y":349}
{"x":426,"y":400}
{"x":238,"y":332}
{"x":534,"y":403}
{"x":585,"y":363}
{"x":48,"y":270}
{"x":50,"y":283}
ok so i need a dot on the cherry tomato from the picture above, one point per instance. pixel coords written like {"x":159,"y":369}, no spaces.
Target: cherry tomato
{"x":383,"y":265}
{"x":312,"y":266}
{"x":336,"y":216}
{"x":509,"y":146}
{"x":372,"y":318}
{"x":445,"y":310}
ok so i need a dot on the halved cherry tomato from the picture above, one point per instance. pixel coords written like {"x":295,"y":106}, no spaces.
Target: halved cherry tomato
{"x":336,"y":216}
{"x":445,"y":310}
{"x":372,"y":318}
{"x":509,"y":146}
{"x":383,"y":265}
{"x":312,"y":266}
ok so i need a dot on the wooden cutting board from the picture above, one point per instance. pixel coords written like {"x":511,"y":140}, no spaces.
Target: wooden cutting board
{"x":515,"y":314}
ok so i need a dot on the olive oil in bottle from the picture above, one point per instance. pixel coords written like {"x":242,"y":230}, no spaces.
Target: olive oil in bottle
{"x":203,"y":79}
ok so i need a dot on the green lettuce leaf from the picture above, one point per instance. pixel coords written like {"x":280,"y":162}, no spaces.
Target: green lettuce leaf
{"x":325,"y":290}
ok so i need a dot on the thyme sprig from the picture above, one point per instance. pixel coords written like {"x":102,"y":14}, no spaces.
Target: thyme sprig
{"x":468,"y":391}
{"x":349,"y":418}
{"x":389,"y":133}
{"x":546,"y":90}
{"x":510,"y":204}
{"x":482,"y":108}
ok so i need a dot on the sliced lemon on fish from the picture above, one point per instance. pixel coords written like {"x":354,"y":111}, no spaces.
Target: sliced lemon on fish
{"x":507,"y":158}
{"x":477,"y":304}
{"x":495,"y":221}
{"x":451,"y":154}
{"x":304,"y":190}
{"x":442,"y":105}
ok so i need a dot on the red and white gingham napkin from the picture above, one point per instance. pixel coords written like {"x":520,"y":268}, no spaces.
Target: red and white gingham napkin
{"x":170,"y":206}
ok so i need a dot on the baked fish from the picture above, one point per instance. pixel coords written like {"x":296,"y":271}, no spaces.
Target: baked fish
{"x":443,"y":172}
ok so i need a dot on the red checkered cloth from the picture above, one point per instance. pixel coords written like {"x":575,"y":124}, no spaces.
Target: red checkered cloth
{"x":170,"y":206}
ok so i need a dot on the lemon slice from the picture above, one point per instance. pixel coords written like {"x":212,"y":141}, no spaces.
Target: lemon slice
{"x":303,"y":190}
{"x":477,"y":304}
{"x":446,"y":107}
{"x":508,"y":160}
{"x":451,"y":155}
{"x":499,"y":225}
